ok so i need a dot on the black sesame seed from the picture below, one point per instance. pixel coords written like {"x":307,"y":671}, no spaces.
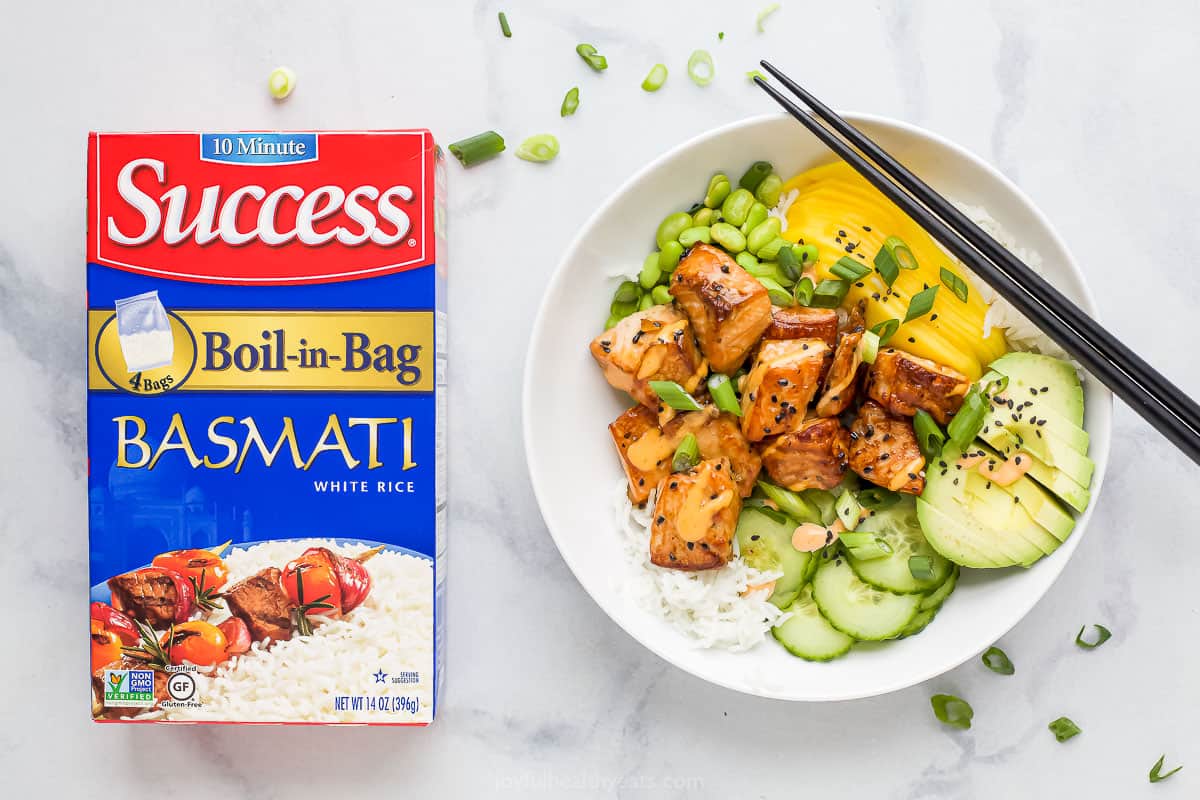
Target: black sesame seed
{"x":691,"y":545}
{"x":754,"y":537}
{"x":868,"y":469}
{"x":641,"y":481}
{"x":884,"y":456}
{"x":659,"y":520}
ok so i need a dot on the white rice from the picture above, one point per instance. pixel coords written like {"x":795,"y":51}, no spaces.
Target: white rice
{"x":297,"y":680}
{"x":708,"y":607}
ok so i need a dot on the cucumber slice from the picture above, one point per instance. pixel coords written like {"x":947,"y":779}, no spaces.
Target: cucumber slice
{"x":899,"y":527}
{"x":938,"y":596}
{"x":857,"y":609}
{"x":765,"y":543}
{"x":808,"y":635}
{"x":919,"y":622}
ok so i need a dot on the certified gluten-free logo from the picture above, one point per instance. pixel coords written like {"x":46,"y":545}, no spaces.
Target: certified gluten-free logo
{"x":181,"y":686}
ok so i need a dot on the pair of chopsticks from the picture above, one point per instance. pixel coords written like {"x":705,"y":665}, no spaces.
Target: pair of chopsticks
{"x":1143,"y":388}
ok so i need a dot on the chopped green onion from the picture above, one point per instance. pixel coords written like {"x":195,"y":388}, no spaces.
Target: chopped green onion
{"x":951,"y":710}
{"x":779,"y":295}
{"x":921,"y":303}
{"x":656,"y":78}
{"x":850,"y":269}
{"x":930,"y":437}
{"x":967,"y":423}
{"x":721,"y":389}
{"x":804,"y":291}
{"x":1064,"y":729}
{"x":885,"y":330}
{"x":848,"y":510}
{"x":900,"y":252}
{"x":1103,"y":634}
{"x":992,"y":378}
{"x":886,"y":266}
{"x":876,"y":498}
{"x":788,"y":264}
{"x":627,"y":292}
{"x":920,"y":567}
{"x":539,"y":148}
{"x":281,"y":82}
{"x":868,"y":347}
{"x":830,"y":293}
{"x":790,"y":503}
{"x":995,"y":659}
{"x":477,"y":148}
{"x":507,"y":31}
{"x":955,"y":284}
{"x":865,"y":546}
{"x":700,"y":68}
{"x":674,"y":395}
{"x":752,"y":74}
{"x":762,"y":15}
{"x":570,"y":102}
{"x":824,"y":502}
{"x":721,"y":35}
{"x":1156,"y":773}
{"x":755,"y":174}
{"x":594,"y":60}
{"x":687,"y":454}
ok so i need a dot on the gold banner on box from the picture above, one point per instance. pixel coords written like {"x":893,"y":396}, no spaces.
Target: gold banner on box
{"x":353,"y":351}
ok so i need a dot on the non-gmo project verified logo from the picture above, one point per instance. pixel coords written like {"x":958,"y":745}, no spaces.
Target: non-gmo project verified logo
{"x":128,"y":688}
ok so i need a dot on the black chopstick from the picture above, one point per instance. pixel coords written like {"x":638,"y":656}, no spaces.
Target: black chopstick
{"x":1145,"y":390}
{"x":1105,"y":342}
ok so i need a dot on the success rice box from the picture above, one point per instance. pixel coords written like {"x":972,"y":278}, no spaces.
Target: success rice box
{"x":266,"y":361}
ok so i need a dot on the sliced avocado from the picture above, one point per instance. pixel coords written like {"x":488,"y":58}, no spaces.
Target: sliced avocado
{"x":1039,"y":503}
{"x":1054,"y":379}
{"x":1037,"y":414}
{"x":1045,"y":446}
{"x":1002,"y":532}
{"x":1001,"y":511}
{"x":964,"y":543}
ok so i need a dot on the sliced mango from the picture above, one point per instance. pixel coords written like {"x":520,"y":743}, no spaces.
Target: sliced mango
{"x":836,"y":203}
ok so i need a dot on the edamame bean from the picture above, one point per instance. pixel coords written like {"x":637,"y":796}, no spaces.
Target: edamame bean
{"x":670,"y":228}
{"x":769,"y":190}
{"x":770,"y":250}
{"x":728,"y":237}
{"x":737,"y":206}
{"x":627,"y":292}
{"x":669,"y":258}
{"x":646,"y":302}
{"x":662,"y":295}
{"x":758,"y":213}
{"x":613,"y":319}
{"x":651,"y":272}
{"x":700,"y":233}
{"x":746,"y":261}
{"x":705,"y":216}
{"x":806,"y":254}
{"x":763,"y":233}
{"x":718,"y":190}
{"x":781,"y":275}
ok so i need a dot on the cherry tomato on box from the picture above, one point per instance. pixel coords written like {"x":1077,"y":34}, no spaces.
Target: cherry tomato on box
{"x":106,"y":645}
{"x":311,"y":578}
{"x":110,"y":619}
{"x":237,"y":636}
{"x":199,"y":642}
{"x":203,"y":567}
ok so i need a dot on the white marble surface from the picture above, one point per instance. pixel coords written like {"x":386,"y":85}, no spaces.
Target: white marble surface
{"x":1089,"y":106}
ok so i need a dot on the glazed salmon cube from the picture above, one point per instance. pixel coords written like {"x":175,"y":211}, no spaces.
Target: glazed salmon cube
{"x":777,"y":390}
{"x":903,"y":383}
{"x":695,"y":517}
{"x":884,"y":450}
{"x":728,"y":308}
{"x":812,"y":457}
{"x":652,"y":345}
{"x":798,"y":322}
{"x":646,"y":450}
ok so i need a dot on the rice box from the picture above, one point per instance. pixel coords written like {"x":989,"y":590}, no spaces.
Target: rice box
{"x":266,"y":323}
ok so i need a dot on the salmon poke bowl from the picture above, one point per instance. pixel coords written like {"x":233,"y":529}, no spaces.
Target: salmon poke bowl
{"x":786,"y":440}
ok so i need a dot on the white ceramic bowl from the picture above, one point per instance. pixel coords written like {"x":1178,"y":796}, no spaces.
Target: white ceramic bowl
{"x":567,"y":406}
